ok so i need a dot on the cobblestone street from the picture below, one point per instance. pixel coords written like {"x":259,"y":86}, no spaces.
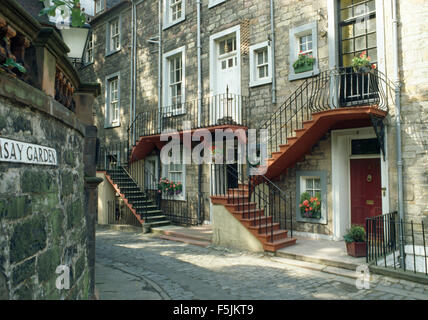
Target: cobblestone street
{"x":136,"y":266}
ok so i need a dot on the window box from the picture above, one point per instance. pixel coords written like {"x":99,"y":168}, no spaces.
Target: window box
{"x":303,"y":39}
{"x":304,"y":68}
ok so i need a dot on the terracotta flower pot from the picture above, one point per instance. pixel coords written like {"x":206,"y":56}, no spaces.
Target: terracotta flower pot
{"x":356,"y":249}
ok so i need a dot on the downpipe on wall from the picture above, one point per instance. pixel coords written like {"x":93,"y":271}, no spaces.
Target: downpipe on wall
{"x":398,"y":127}
{"x":272,"y":30}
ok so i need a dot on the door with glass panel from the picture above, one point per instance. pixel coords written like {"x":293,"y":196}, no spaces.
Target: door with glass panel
{"x":357,"y":36}
{"x":226,"y":101}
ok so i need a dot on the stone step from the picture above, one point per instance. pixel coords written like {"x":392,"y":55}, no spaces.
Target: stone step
{"x":276,"y":245}
{"x":185,"y":240}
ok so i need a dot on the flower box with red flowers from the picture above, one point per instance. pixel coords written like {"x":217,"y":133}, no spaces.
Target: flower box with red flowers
{"x":310,"y":207}
{"x":305,"y":62}
{"x":169,"y":188}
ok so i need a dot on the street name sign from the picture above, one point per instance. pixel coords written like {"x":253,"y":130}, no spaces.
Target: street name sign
{"x":22,"y":152}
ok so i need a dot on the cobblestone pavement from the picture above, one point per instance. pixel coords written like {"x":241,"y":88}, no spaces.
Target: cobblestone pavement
{"x":136,"y":266}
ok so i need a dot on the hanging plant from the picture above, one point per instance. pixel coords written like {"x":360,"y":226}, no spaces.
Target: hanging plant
{"x":12,"y":64}
{"x":67,"y":8}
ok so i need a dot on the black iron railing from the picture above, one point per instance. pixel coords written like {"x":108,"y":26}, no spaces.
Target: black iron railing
{"x":256,"y":197}
{"x":183,"y":212}
{"x":331,"y":89}
{"x":112,"y":155}
{"x":217,"y":110}
{"x":120,"y":215}
{"x":383,"y":243}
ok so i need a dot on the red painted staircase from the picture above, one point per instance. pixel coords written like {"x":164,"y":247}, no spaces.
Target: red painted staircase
{"x":254,"y":216}
{"x":297,"y":146}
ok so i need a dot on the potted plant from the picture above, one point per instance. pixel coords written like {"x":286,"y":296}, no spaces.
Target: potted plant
{"x":310,"y":207}
{"x":362,"y":64}
{"x":304,"y":62}
{"x":356,"y":241}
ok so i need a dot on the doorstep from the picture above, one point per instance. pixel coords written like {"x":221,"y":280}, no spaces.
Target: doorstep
{"x":311,"y":253}
{"x":326,"y":252}
{"x":199,"y":236}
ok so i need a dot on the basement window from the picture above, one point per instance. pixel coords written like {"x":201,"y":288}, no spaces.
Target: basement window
{"x":315,"y":184}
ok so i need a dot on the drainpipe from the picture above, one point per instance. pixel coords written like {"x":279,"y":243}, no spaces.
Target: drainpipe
{"x":160,"y":67}
{"x":135,"y":68}
{"x":199,"y":47}
{"x":131,"y":86}
{"x":398,"y":125}
{"x":272,"y":30}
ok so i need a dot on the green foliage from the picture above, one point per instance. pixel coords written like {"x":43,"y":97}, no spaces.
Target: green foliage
{"x":310,"y":207}
{"x":77,"y":15}
{"x":13,"y":64}
{"x":170,"y":187}
{"x":304,"y":60}
{"x":362,"y":62}
{"x":355,"y":234}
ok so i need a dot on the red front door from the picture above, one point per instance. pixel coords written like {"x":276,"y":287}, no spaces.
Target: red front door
{"x":366,"y":192}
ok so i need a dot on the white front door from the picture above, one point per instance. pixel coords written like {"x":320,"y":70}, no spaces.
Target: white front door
{"x":225,"y":105}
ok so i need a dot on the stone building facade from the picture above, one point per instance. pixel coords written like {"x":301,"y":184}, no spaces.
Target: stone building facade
{"x":324,"y":29}
{"x":47,"y":166}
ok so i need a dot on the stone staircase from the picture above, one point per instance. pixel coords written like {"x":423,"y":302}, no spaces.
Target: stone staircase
{"x":254,"y":218}
{"x":144,"y":208}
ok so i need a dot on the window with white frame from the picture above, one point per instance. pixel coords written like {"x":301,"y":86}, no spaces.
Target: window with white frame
{"x":113,"y":36}
{"x":174,"y":82}
{"x":314,"y":183}
{"x":89,"y":53}
{"x":113,"y":100}
{"x":174,"y":12}
{"x":175,"y":172}
{"x":303,"y":40}
{"x":213,"y":3}
{"x":99,"y":6}
{"x":228,"y":52}
{"x":305,"y":44}
{"x":260,"y":65}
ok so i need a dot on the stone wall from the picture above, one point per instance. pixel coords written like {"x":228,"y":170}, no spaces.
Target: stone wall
{"x":42,"y":215}
{"x":318,"y":159}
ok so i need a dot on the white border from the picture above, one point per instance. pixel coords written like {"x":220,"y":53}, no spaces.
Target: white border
{"x":340,"y":159}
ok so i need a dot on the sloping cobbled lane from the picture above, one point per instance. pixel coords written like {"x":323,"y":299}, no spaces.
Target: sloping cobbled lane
{"x":134,"y":266}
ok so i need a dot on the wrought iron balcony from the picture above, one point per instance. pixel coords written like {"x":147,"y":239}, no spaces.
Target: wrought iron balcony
{"x":219,"y":110}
